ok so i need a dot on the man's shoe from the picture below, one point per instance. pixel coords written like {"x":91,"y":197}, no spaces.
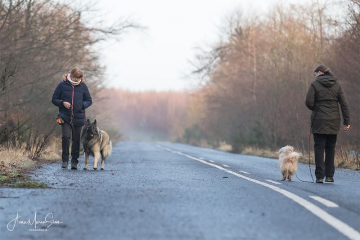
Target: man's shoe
{"x":74,"y":166}
{"x":74,"y":163}
{"x":319,"y":180}
{"x":64,"y":164}
{"x":329,"y":179}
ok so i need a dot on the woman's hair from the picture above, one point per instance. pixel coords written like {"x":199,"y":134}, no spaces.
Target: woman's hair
{"x":322,"y":68}
{"x":75,"y":73}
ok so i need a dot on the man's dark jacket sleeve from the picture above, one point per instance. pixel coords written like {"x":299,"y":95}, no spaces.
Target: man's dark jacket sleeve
{"x":310,"y":97}
{"x":344,"y":106}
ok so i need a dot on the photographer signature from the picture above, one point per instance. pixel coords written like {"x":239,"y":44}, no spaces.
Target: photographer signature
{"x":48,"y":220}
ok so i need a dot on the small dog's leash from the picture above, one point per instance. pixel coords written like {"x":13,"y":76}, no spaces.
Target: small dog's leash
{"x":310,"y":157}
{"x":309,"y":161}
{"x":309,"y":164}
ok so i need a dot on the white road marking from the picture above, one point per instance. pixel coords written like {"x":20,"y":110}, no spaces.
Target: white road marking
{"x":323,"y":215}
{"x":211,"y":161}
{"x":244,"y":172}
{"x":324,"y":201}
{"x":225,"y":165}
{"x":273,"y":182}
{"x":201,"y":158}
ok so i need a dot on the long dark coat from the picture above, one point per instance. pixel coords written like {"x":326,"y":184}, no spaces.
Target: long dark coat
{"x":323,"y":98}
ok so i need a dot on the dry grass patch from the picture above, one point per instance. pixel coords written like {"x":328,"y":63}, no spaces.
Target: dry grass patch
{"x":224,"y":146}
{"x":260,"y":152}
{"x":15,"y":163}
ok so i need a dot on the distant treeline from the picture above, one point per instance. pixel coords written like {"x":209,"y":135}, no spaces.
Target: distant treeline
{"x":40,"y":40}
{"x":254,"y":81}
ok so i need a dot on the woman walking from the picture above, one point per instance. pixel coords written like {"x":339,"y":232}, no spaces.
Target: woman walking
{"x":323,"y":98}
{"x":72,"y":97}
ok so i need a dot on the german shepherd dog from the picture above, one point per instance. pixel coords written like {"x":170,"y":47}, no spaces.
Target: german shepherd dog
{"x":95,"y":142}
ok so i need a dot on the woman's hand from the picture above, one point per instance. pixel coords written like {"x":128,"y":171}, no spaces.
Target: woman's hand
{"x":346,"y":127}
{"x":67,"y":105}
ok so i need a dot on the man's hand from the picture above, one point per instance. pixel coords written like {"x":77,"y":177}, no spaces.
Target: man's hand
{"x":67,"y":105}
{"x":346,"y":127}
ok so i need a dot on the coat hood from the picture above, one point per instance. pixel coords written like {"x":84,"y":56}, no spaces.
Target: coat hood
{"x":327,"y":80}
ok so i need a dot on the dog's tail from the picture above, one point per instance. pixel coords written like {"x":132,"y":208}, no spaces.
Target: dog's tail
{"x":106,"y":152}
{"x":110,"y":148}
{"x":294,"y":156}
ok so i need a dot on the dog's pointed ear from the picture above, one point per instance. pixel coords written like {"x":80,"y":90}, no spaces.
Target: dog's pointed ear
{"x":94,"y":122}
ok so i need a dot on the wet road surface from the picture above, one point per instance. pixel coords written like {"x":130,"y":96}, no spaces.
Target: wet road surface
{"x":177,"y":191}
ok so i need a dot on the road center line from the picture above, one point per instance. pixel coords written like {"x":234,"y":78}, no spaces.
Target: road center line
{"x":323,"y":215}
{"x":324,"y":201}
{"x":273,"y":182}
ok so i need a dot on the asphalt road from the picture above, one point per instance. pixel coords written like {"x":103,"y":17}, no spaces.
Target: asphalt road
{"x":176,"y":191}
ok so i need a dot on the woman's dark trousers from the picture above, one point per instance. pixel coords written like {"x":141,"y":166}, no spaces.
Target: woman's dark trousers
{"x":324,"y":143}
{"x":68,"y":132}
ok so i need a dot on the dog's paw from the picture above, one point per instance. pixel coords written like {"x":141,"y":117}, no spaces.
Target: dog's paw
{"x":95,"y":168}
{"x":84,"y":168}
{"x":102,"y":168}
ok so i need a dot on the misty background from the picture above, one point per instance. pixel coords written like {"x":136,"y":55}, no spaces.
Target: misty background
{"x":230,"y":75}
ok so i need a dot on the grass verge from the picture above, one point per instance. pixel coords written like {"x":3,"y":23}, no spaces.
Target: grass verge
{"x":15,"y":166}
{"x":30,"y":184}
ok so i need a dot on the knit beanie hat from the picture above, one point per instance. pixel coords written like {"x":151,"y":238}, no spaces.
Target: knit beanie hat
{"x":322,"y":68}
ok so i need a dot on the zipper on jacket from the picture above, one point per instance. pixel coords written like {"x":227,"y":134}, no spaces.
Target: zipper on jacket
{"x":72,"y":105}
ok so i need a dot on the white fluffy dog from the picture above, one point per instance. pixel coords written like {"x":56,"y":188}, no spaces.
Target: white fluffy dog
{"x":288,"y":160}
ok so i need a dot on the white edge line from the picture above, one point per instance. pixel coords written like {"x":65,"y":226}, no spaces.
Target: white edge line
{"x":273,"y":182}
{"x":324,"y":201}
{"x":342,"y":227}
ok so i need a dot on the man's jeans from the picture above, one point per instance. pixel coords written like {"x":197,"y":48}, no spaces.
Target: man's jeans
{"x":324,"y":143}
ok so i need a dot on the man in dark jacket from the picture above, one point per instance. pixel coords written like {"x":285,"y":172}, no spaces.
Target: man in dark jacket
{"x":72,"y":97}
{"x":323,"y":98}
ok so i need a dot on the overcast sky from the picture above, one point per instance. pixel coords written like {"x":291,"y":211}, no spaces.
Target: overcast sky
{"x":158,"y":58}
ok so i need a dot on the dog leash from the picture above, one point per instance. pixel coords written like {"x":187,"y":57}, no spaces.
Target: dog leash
{"x":309,"y":141}
{"x":310,"y":157}
{"x":309,"y":163}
